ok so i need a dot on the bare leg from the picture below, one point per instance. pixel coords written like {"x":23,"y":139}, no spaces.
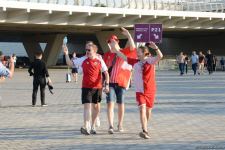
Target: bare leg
{"x":87,"y":115}
{"x":75,"y":77}
{"x":148,"y":113}
{"x":143,"y":117}
{"x":121,"y":109}
{"x":110,"y":113}
{"x":95,"y":113}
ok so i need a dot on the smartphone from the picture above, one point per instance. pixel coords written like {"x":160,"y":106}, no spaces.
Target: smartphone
{"x":65,"y":40}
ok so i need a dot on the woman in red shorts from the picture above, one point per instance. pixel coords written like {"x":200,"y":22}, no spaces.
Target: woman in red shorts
{"x":144,"y":80}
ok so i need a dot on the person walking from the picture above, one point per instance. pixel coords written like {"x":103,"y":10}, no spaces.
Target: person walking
{"x":39,"y":72}
{"x":201,"y":63}
{"x":214,"y":62}
{"x":181,"y":63}
{"x":222,"y":64}
{"x":74,"y":68}
{"x":144,"y":80}
{"x":194,"y":61}
{"x":186,"y":60}
{"x":210,"y":61}
{"x":120,"y":74}
{"x":92,"y":68}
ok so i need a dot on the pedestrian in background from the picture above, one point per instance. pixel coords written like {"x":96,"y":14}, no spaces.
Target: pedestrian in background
{"x":75,"y":67}
{"x":214,"y":62}
{"x":39,"y":72}
{"x":186,"y":60}
{"x":194,"y":61}
{"x":181,"y":62}
{"x":222,"y":63}
{"x":201,"y":63}
{"x":210,"y":61}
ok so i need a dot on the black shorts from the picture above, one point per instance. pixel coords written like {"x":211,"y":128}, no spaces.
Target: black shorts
{"x":74,"y":70}
{"x":90,"y":95}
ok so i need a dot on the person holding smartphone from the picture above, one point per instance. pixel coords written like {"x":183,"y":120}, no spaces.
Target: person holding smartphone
{"x":92,"y":68}
{"x":144,"y":80}
{"x":4,"y":71}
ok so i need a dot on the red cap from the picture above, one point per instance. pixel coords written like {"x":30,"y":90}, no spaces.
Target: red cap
{"x":113,"y":37}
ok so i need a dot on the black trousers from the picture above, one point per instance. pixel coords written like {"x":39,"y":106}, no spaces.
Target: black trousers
{"x":38,"y":81}
{"x":210,"y":68}
{"x":194,"y":68}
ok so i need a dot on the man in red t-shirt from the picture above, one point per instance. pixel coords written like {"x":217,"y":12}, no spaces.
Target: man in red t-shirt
{"x":120,"y":74}
{"x":92,"y":67}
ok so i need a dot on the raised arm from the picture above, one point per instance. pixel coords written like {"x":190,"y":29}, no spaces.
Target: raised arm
{"x":116,"y":49}
{"x":157,"y":50}
{"x":11,"y":67}
{"x":130,"y":39}
{"x":66,"y":53}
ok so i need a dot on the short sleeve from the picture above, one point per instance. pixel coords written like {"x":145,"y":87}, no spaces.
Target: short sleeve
{"x":104,"y":67}
{"x":153,"y":60}
{"x":4,"y":72}
{"x":131,"y":61}
{"x":79,"y":61}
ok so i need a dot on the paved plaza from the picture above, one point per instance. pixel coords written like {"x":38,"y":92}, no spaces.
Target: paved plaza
{"x":189,"y":114}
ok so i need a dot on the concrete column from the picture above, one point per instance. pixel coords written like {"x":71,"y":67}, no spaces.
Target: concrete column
{"x":31,"y":46}
{"x":53,"y":48}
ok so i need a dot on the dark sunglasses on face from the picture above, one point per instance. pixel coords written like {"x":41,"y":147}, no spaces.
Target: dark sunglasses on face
{"x":88,"y":50}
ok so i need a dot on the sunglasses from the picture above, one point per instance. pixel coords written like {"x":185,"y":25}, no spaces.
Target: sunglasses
{"x":88,"y":50}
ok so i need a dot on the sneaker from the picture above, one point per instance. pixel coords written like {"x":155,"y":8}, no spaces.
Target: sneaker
{"x":144,"y":135}
{"x":33,"y":105}
{"x":110,"y":131}
{"x":84,"y":131}
{"x":44,"y":105}
{"x":120,"y":129}
{"x":97,"y":122}
{"x":93,"y":131}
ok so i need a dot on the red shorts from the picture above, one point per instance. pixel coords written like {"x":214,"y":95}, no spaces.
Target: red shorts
{"x":145,"y":99}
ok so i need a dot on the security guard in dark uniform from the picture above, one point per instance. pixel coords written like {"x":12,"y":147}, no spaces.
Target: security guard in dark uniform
{"x":39,"y":72}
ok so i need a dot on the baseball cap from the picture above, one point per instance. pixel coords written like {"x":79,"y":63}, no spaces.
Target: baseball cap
{"x":113,"y":37}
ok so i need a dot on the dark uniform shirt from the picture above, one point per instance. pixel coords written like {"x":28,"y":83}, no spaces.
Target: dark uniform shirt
{"x":39,"y":69}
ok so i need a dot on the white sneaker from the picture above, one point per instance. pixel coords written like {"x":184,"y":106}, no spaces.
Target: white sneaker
{"x":98,"y":123}
{"x":120,"y":129}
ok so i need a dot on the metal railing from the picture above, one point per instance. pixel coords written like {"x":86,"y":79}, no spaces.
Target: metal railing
{"x":176,"y":5}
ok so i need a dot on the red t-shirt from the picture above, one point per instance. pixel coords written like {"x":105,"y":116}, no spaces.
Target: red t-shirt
{"x":92,"y":71}
{"x":144,"y":74}
{"x":121,"y":71}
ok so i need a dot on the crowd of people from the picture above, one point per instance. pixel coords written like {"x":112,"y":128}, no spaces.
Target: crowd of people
{"x":110,"y":73}
{"x":199,"y":62}
{"x":116,"y":66}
